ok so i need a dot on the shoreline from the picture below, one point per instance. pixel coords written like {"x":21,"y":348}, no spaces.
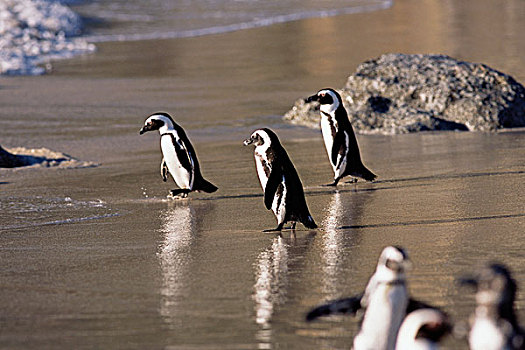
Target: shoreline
{"x":379,"y":5}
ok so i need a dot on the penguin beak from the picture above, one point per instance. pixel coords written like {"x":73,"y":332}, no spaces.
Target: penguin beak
{"x":407,"y":264}
{"x":145,"y":128}
{"x":399,"y":266}
{"x":247,"y":142}
{"x":311,"y":99}
{"x":468,"y":281}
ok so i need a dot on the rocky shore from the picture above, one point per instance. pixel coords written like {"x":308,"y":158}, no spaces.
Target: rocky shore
{"x":397,"y":93}
{"x":43,"y":157}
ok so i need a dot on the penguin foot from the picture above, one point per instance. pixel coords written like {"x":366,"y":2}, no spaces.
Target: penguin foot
{"x":178,"y":193}
{"x":352,"y":180}
{"x":277,"y":229}
{"x":333,"y":184}
{"x":292,"y":226}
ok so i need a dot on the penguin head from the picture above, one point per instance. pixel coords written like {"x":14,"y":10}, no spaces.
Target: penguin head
{"x":262,"y":137}
{"x":425,"y":324}
{"x":494,"y":286}
{"x":329,"y":99}
{"x":393,"y":261}
{"x":158,"y":121}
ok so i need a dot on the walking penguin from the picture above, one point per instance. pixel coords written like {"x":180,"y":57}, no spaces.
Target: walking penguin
{"x":179,"y":157}
{"x":339,"y":138}
{"x":283,"y":190}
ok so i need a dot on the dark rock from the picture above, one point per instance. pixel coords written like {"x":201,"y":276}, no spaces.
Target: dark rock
{"x":398,"y":93}
{"x":8,"y":160}
{"x":39,"y":157}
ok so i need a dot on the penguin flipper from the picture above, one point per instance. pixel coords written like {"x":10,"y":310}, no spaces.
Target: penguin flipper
{"x":342,"y":306}
{"x":183,"y":154}
{"x":339,"y":146}
{"x":164,"y":170}
{"x":275,"y":178}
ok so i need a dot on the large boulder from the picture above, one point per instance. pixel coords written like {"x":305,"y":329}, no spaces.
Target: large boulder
{"x":399,"y":93}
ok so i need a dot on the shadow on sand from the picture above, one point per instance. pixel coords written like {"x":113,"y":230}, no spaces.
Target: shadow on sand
{"x":437,"y":221}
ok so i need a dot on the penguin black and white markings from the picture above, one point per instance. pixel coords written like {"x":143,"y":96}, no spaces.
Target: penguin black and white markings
{"x":339,"y":138}
{"x":283,"y":190}
{"x":494,"y":324}
{"x":422,"y":330}
{"x":385,"y":300}
{"x":179,"y":157}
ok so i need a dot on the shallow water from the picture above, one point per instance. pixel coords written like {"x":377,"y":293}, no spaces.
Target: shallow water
{"x":199,"y":274}
{"x":98,"y":258}
{"x":119,"y":20}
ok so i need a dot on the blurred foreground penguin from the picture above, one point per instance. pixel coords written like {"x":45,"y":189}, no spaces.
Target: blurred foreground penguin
{"x":385,"y":300}
{"x":283,"y":190}
{"x":339,"y":138}
{"x":422,"y":330}
{"x":494,"y":324}
{"x":179,"y":157}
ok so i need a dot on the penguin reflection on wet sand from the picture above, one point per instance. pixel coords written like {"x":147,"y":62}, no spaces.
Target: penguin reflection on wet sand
{"x":385,"y":300}
{"x":179,"y":157}
{"x":494,"y":324}
{"x":283,"y":190}
{"x":339,"y":138}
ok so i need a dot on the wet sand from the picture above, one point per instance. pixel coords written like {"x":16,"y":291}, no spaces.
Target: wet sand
{"x":98,"y":258}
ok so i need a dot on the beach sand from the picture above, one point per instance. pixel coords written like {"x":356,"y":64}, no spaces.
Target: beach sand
{"x":98,"y":258}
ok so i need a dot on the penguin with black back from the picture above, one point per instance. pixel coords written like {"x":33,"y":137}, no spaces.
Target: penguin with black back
{"x":385,"y":301}
{"x":494,"y":324}
{"x":339,"y":138}
{"x":179,"y":157}
{"x":283,"y":190}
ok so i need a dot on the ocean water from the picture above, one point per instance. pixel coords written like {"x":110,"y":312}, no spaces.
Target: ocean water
{"x":121,"y":20}
{"x":20,"y":212}
{"x":35,"y":32}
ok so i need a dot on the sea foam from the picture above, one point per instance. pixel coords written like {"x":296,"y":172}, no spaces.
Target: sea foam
{"x":264,"y":19}
{"x":32,"y":32}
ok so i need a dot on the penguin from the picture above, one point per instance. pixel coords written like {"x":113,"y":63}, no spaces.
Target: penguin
{"x":283,"y":190}
{"x":339,"y":138}
{"x":179,"y":157}
{"x":422,"y":330}
{"x":385,"y":300}
{"x":494,"y":324}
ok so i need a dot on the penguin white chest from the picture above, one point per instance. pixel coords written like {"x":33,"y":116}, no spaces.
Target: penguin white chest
{"x":328,"y":129}
{"x":485,"y":335}
{"x":262,"y":165}
{"x":384,"y":314}
{"x":182,"y":176}
{"x":264,"y":168}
